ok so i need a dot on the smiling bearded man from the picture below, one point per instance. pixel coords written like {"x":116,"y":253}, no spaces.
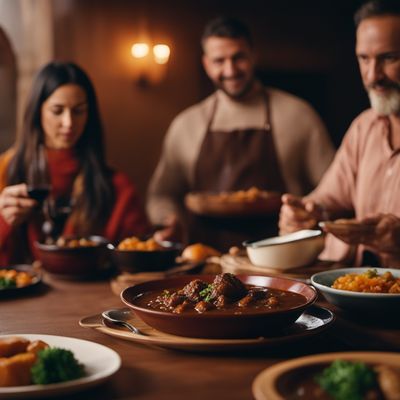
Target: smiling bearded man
{"x":244,"y":135}
{"x":364,"y":178}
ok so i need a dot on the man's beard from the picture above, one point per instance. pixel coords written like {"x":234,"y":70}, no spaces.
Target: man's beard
{"x":239,"y":94}
{"x":386,"y":103}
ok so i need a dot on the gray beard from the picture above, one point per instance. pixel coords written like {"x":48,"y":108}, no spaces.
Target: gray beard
{"x":385,"y":105}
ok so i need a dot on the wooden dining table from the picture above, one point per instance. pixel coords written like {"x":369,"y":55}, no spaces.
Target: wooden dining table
{"x":56,"y":305}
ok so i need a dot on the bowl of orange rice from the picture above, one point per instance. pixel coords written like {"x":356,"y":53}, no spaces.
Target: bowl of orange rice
{"x":362,"y":289}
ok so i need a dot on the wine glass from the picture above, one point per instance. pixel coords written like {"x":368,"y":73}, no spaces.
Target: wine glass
{"x":37,"y":181}
{"x":56,"y":213}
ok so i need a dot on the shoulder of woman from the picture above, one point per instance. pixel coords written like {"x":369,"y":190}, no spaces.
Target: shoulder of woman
{"x":121,"y":180}
{"x":6,"y":156}
{"x":5,"y":159}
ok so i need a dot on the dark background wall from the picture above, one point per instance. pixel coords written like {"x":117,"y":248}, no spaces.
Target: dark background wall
{"x":304,"y":46}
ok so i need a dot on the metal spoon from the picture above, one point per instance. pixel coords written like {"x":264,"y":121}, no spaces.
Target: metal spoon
{"x":120,"y":317}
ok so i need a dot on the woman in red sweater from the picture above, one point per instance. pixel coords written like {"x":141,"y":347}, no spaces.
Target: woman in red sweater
{"x":61,"y":148}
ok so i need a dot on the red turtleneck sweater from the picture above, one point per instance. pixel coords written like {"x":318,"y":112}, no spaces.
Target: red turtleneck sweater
{"x":127,"y":216}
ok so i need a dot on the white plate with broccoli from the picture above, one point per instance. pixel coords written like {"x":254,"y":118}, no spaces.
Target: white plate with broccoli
{"x":74,"y":364}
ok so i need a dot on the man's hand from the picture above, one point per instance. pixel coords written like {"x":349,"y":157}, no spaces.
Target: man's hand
{"x":380,"y":233}
{"x":15,"y":205}
{"x":297,"y":213}
{"x":386,"y":237}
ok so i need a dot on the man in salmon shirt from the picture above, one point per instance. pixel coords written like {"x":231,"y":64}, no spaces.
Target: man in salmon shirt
{"x":243,"y":135}
{"x":364,"y":178}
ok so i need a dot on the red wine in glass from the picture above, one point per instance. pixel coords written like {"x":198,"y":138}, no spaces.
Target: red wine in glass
{"x":38,"y":193}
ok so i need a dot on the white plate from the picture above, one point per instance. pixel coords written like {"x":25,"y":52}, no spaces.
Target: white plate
{"x":99,"y":361}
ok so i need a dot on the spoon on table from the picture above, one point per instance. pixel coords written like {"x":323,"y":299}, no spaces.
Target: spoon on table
{"x":120,"y":317}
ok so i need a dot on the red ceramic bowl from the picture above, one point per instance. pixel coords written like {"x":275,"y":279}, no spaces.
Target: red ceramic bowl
{"x":77,"y":262}
{"x":209,"y":325}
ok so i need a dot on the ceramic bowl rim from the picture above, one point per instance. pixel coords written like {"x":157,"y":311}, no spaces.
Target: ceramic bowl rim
{"x":261,"y":243}
{"x":100,"y":240}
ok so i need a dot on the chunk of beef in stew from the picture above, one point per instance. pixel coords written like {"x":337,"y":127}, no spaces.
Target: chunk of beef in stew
{"x":193,"y":289}
{"x":229,"y":286}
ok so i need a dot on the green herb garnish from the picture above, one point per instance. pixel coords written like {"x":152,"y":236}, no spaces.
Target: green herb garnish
{"x":345,"y":380}
{"x":205,"y":294}
{"x":371,"y":273}
{"x":166,"y":293}
{"x":56,"y":365}
{"x":7,"y":283}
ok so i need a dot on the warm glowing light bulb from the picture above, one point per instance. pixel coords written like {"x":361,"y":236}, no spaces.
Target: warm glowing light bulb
{"x":161,"y":53}
{"x":140,"y":50}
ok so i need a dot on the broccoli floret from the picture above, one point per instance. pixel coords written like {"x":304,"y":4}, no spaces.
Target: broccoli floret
{"x":56,"y":365}
{"x":345,"y":380}
{"x":7,"y":283}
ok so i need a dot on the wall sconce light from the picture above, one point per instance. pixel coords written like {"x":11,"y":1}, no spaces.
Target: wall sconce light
{"x":161,"y":53}
{"x":150,"y":67}
{"x":140,"y":50}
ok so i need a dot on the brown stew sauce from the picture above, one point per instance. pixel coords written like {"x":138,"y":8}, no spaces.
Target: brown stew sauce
{"x":226,"y":295}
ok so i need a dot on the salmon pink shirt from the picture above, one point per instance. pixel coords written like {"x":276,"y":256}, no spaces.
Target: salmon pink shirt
{"x":364,"y":177}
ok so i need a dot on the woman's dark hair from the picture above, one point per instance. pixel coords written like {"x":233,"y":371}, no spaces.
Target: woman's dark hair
{"x":226,"y":27}
{"x":376,"y":8}
{"x":95,"y":197}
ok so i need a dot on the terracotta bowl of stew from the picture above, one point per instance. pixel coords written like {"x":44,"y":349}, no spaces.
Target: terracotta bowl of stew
{"x":147,"y":260}
{"x":226,"y":323}
{"x":83,"y":261}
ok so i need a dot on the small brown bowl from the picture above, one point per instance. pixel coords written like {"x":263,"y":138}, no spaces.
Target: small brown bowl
{"x":226,"y":326}
{"x":147,"y":260}
{"x":76,"y":262}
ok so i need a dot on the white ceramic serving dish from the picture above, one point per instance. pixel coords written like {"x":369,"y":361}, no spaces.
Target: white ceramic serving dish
{"x":358,"y":301}
{"x":287,"y":251}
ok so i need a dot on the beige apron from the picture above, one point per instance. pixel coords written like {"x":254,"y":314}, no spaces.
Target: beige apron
{"x":230,"y":161}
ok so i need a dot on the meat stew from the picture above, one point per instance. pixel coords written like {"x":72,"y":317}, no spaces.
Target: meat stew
{"x":225,"y":295}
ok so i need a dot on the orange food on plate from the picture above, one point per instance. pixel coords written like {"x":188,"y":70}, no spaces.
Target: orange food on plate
{"x":13,"y":345}
{"x":17,"y":356}
{"x":199,"y":252}
{"x":18,"y":278}
{"x":368,"y":282}
{"x":16,"y":370}
{"x":75,"y":242}
{"x":243,"y":196}
{"x":134,"y":243}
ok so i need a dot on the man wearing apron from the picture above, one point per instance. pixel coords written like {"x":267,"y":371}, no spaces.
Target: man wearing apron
{"x":243,"y":135}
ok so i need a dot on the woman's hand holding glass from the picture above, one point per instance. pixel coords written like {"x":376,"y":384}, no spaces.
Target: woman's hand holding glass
{"x":15,"y":204}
